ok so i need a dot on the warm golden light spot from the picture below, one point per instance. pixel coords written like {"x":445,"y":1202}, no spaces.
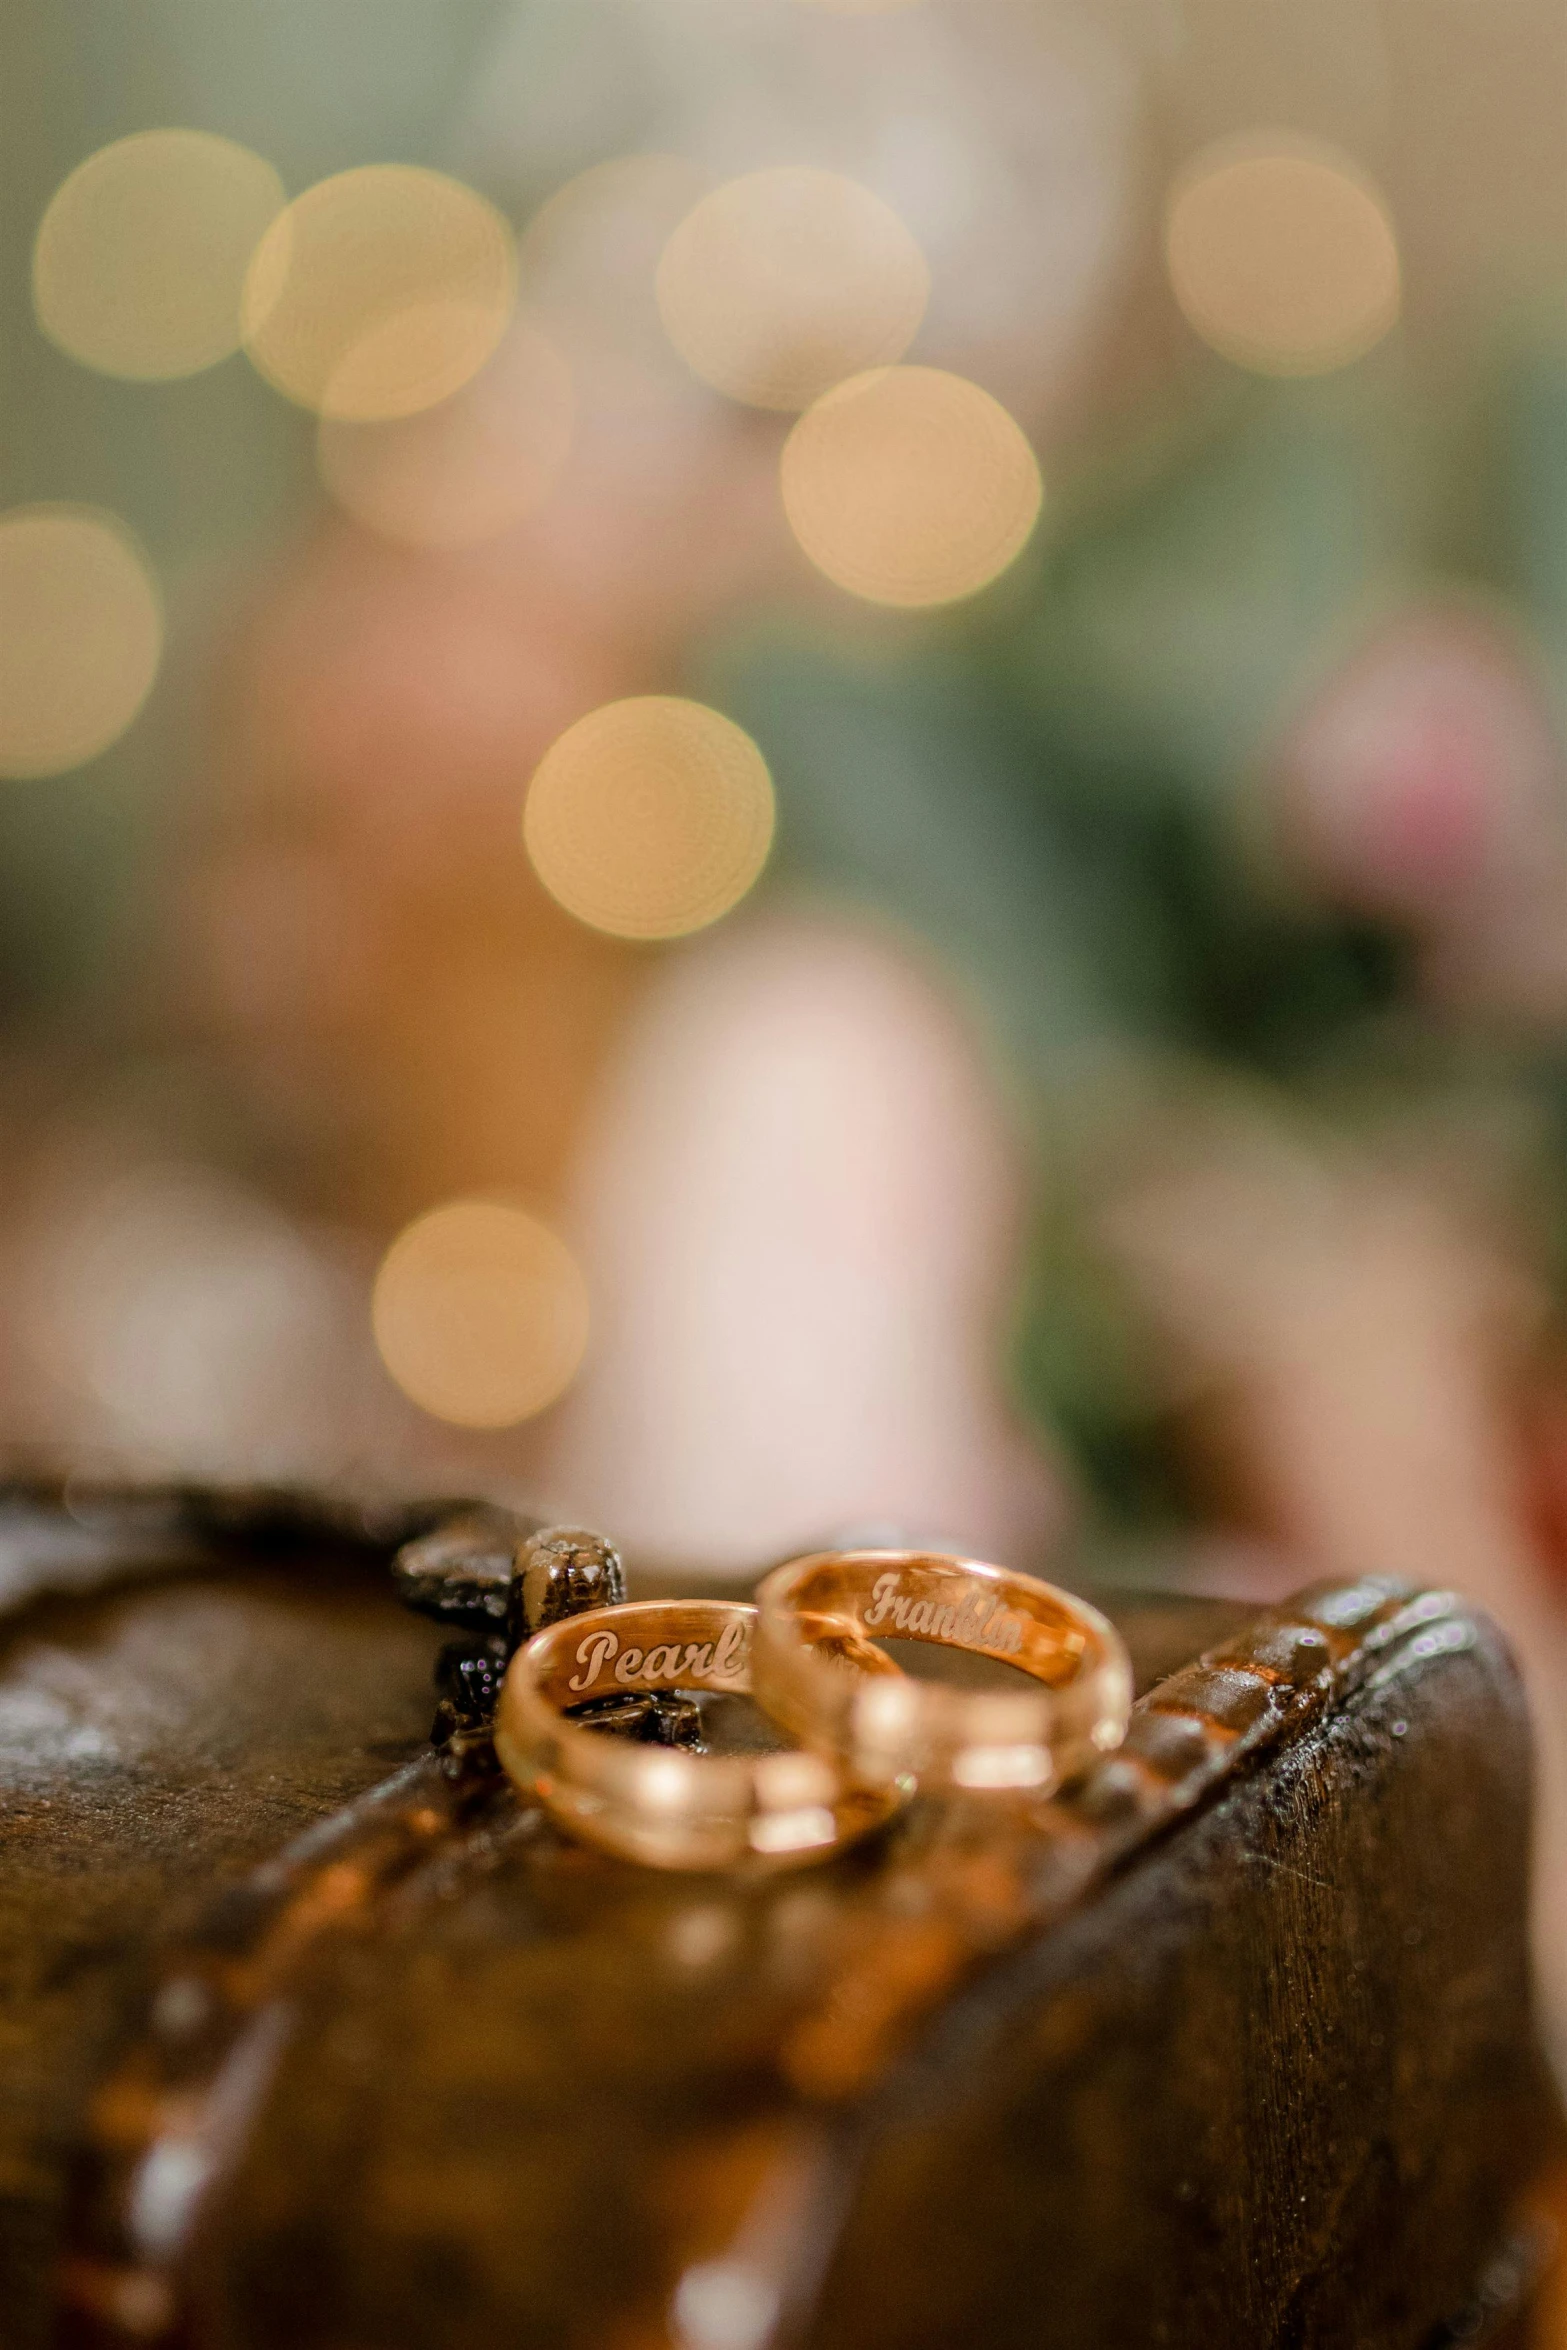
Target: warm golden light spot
{"x":81,"y":634}
{"x":141,"y":255}
{"x":379,"y":292}
{"x":1282,"y":254}
{"x":650,"y":817}
{"x":468,"y":469}
{"x":480,"y":1313}
{"x":778,"y":285}
{"x":910,"y":486}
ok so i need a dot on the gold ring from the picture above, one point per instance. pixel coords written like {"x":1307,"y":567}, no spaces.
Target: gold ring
{"x":657,"y":1805}
{"x":817,"y":1624}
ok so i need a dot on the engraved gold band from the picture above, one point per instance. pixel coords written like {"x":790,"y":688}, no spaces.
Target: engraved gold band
{"x":817,"y":1622}
{"x":658,"y":1805}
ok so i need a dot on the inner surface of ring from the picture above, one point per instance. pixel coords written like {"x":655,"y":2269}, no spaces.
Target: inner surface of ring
{"x":849,"y":1601}
{"x":681,"y":1644}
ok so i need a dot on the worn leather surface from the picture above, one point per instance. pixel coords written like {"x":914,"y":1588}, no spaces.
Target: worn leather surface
{"x":155,"y":1743}
{"x":1273,"y":2087}
{"x":1271,"y":2082}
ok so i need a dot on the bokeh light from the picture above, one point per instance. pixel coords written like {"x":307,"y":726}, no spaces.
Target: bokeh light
{"x":191,"y":1320}
{"x":468,"y":469}
{"x":778,"y":285}
{"x":910,"y":486}
{"x":650,"y":817}
{"x":589,"y":256}
{"x":379,"y":292}
{"x":1282,"y":254}
{"x":81,"y":635}
{"x":141,"y":256}
{"x":480,"y":1313}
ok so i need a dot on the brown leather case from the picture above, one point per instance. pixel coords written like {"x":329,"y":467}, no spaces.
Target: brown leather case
{"x":1232,"y":2046}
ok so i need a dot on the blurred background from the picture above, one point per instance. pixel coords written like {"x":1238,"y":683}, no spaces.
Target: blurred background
{"x":775,"y":765}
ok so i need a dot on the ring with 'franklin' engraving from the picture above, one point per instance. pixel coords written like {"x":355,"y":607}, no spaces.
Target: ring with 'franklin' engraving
{"x":819,"y":1619}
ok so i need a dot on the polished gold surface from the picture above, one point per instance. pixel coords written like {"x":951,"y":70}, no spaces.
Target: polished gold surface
{"x":658,"y":1805}
{"x":819,"y":1618}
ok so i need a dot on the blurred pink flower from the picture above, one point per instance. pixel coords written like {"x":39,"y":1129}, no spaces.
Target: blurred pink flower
{"x":1423,"y":785}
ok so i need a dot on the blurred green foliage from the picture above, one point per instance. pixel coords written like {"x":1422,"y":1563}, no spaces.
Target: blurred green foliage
{"x":1063,"y":788}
